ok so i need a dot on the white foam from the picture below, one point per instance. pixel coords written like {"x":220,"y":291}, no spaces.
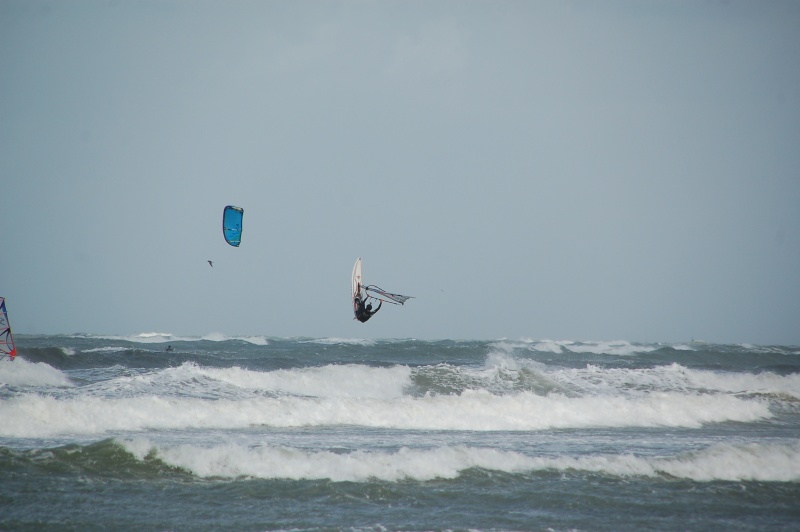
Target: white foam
{"x":38,"y":416}
{"x":549,"y":347}
{"x":683,"y":347}
{"x":219,"y":337}
{"x":214,"y":337}
{"x":144,"y":338}
{"x":20,"y":372}
{"x":349,"y":380}
{"x":759,"y":462}
{"x":766,"y":382}
{"x":617,"y":347}
{"x":161,"y":338}
{"x":766,"y":463}
{"x":504,"y":361}
{"x":255,"y":340}
{"x":325,"y":381}
{"x":343,"y":341}
{"x":674,"y":377}
{"x":105,"y":350}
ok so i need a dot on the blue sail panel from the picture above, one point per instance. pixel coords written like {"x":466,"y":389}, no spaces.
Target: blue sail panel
{"x":232,"y":225}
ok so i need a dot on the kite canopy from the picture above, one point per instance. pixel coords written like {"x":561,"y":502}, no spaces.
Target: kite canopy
{"x":232,"y":225}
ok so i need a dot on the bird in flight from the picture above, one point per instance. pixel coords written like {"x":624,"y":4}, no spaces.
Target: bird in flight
{"x":211,"y":264}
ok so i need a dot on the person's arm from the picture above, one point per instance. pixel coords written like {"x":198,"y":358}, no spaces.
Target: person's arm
{"x":380,"y":302}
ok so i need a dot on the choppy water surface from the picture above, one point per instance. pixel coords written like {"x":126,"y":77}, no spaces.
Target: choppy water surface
{"x":256,"y":433}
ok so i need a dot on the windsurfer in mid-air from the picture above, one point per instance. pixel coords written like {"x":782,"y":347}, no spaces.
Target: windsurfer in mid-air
{"x":363,"y":313}
{"x":362,"y":294}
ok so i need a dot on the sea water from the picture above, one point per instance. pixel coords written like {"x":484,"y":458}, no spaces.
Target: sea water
{"x":257,"y":433}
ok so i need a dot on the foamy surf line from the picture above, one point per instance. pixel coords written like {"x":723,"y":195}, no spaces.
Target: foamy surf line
{"x":33,"y":415}
{"x":619,"y":347}
{"x":675,"y":377}
{"x":345,"y":380}
{"x":23,"y":373}
{"x":341,"y":341}
{"x":331,"y":380}
{"x":162,"y":338}
{"x":752,"y":462}
{"x":500,"y":373}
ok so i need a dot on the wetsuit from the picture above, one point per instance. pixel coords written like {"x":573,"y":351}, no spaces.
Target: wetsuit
{"x":362,"y":314}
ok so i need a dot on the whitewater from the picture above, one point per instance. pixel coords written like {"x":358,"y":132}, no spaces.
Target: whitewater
{"x":261,"y":433}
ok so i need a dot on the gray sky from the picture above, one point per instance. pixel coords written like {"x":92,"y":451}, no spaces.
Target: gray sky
{"x":561,"y":170}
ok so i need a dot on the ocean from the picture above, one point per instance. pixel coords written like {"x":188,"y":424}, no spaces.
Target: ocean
{"x":259,"y":433}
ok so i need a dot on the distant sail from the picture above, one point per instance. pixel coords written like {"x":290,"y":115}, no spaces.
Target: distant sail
{"x":232,"y":225}
{"x":383,"y":295}
{"x":7,"y":347}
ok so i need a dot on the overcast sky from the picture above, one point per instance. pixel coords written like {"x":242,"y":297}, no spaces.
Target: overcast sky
{"x":596,"y":170}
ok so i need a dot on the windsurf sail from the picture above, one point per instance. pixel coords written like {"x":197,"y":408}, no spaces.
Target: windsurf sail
{"x":232,"y":225}
{"x":7,"y":347}
{"x":356,"y":282}
{"x":383,"y":295}
{"x":362,"y":293}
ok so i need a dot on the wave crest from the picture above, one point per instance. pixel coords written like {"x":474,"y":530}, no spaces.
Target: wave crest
{"x":724,"y":462}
